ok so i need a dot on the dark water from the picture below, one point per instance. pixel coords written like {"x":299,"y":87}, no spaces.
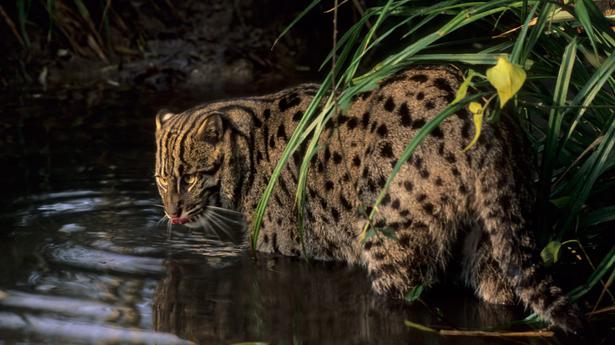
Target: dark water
{"x":85,"y":260}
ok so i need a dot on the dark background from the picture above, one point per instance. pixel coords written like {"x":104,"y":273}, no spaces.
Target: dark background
{"x":85,"y":88}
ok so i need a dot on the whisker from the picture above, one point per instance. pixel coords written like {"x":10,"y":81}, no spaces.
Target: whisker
{"x":213,"y":221}
{"x":205,"y":223}
{"x":161,"y":220}
{"x":169,"y":231}
{"x":227,"y":222}
{"x":194,"y":211}
{"x":224,"y":209}
{"x":239,"y":221}
{"x":220,"y":225}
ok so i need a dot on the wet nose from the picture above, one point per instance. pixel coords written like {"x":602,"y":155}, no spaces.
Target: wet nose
{"x":174,"y":209}
{"x":176,"y":216}
{"x":176,"y":212}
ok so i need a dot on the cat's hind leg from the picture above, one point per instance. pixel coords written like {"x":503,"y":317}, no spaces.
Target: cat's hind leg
{"x":481,"y":272}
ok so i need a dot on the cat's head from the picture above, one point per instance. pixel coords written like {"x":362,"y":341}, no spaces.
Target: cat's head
{"x":192,"y":154}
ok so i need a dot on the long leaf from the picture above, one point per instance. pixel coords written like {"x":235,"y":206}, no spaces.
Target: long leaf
{"x":555,"y":123}
{"x":293,"y":143}
{"x":605,"y":266}
{"x":515,"y":56}
{"x":22,"y":12}
{"x":599,"y":216}
{"x":295,"y":21}
{"x":594,"y":169}
{"x":591,"y":89}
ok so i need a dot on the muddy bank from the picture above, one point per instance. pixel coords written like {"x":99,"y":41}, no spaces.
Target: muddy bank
{"x":162,"y":45}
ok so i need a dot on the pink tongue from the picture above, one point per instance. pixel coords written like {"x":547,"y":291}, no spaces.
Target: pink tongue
{"x":179,"y":220}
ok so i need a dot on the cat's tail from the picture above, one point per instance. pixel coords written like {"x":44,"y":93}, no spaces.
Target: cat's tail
{"x":514,"y":249}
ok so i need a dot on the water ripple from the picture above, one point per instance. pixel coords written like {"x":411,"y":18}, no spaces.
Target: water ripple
{"x":93,"y":310}
{"x":104,"y":261}
{"x":79,"y":331}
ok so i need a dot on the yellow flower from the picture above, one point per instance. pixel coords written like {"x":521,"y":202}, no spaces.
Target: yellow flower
{"x":477,"y":110}
{"x":506,"y":78}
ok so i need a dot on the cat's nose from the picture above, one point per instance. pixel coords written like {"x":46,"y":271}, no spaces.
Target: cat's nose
{"x":173,"y":207}
{"x":176,"y":212}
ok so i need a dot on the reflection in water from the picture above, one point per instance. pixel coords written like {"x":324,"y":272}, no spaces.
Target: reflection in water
{"x":287,"y":301}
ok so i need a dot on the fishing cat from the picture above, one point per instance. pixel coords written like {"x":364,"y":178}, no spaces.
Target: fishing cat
{"x":445,"y":206}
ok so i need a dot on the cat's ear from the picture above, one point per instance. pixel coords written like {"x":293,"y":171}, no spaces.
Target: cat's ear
{"x":212,"y":128}
{"x":162,"y":116}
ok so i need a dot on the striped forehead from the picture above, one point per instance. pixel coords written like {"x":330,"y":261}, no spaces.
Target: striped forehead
{"x":172,"y":141}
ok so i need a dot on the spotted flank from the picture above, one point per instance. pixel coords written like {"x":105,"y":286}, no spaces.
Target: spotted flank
{"x":446,"y":206}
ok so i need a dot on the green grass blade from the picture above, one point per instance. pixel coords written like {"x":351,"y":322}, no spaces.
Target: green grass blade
{"x":315,"y":130}
{"x":519,"y":47}
{"x":311,"y":150}
{"x":544,"y":18}
{"x":51,"y":7}
{"x":22,"y":15}
{"x":497,"y":49}
{"x":83,"y":11}
{"x":352,"y":69}
{"x":591,"y":89}
{"x":470,"y":59}
{"x":606,"y":265}
{"x":583,"y":17}
{"x":599,"y":216}
{"x":593,"y":169}
{"x":549,"y":154}
{"x":295,"y":140}
{"x":348,"y":38}
{"x":295,"y":21}
{"x":465,"y":17}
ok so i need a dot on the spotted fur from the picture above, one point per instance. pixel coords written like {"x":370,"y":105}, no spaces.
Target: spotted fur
{"x":224,"y":153}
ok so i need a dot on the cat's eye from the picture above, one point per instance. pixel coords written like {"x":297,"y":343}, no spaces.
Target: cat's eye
{"x":162,"y":182}
{"x":189,"y":179}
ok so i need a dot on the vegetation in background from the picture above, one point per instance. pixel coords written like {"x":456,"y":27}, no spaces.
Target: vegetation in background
{"x":38,"y":36}
{"x":85,"y":27}
{"x":551,"y":65}
{"x":154,"y":44}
